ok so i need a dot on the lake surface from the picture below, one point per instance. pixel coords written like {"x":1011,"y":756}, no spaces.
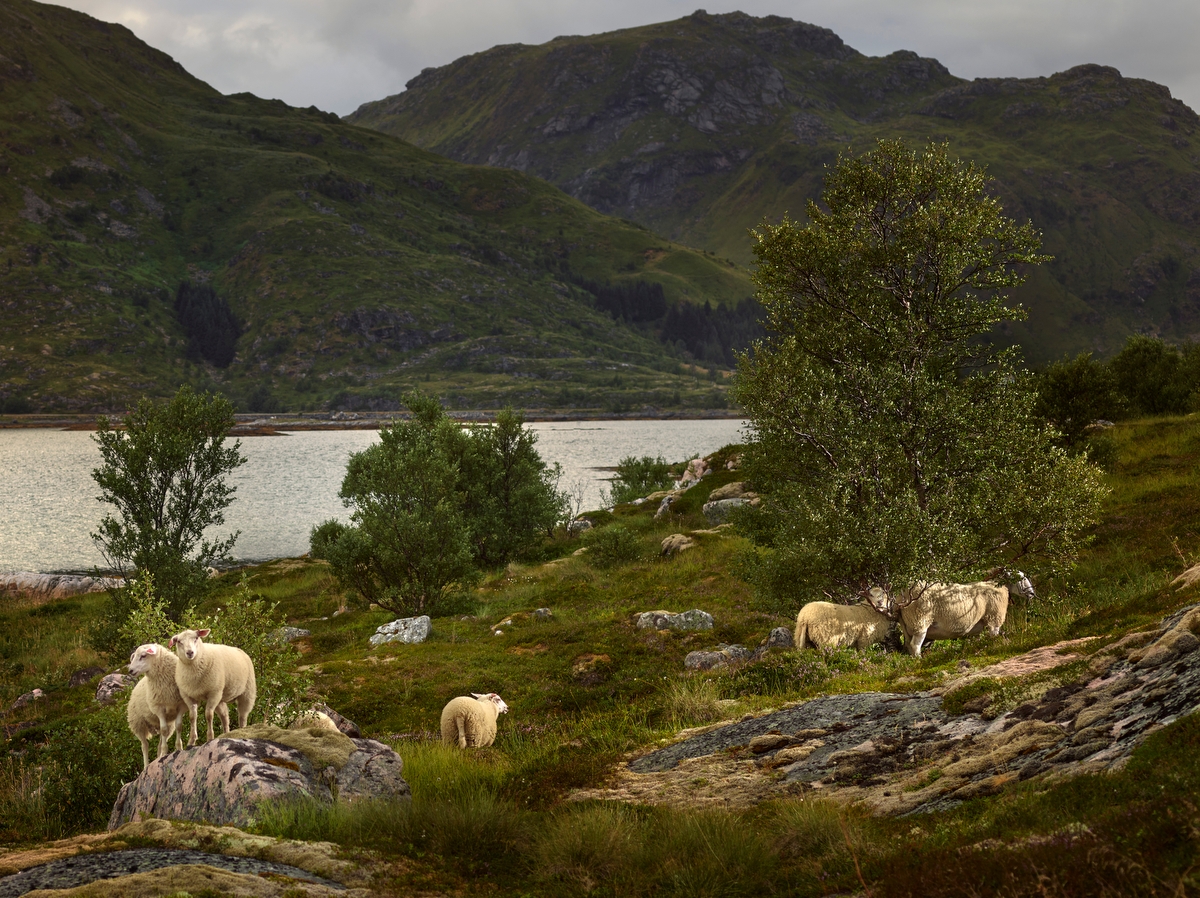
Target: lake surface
{"x":288,"y":484}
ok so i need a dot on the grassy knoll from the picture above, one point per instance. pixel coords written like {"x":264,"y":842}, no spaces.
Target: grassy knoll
{"x":585,"y":688}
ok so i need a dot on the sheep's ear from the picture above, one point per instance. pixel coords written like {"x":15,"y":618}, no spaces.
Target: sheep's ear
{"x":479,"y":695}
{"x":171,"y":642}
{"x":203,"y":633}
{"x":151,"y":650}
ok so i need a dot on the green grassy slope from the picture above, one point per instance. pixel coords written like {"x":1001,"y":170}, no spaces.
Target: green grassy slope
{"x":702,"y":126}
{"x":357,"y":264}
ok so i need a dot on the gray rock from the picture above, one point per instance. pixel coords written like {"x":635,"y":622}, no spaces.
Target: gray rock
{"x":543,"y":613}
{"x":705,"y":660}
{"x":287,"y":634}
{"x":54,"y":586}
{"x":407,"y":629}
{"x":780,"y":638}
{"x":344,"y":724}
{"x":83,"y":676}
{"x":718,"y":512}
{"x":223,"y":782}
{"x":28,"y":699}
{"x":684,"y":620}
{"x":578,"y":526}
{"x":111,"y":685}
{"x":664,"y":507}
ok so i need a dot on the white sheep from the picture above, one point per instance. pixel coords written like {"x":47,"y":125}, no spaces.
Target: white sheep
{"x":950,"y":611}
{"x":826,"y":625}
{"x":471,"y":720}
{"x":314,"y":720}
{"x":155,"y":705}
{"x":214,"y":674}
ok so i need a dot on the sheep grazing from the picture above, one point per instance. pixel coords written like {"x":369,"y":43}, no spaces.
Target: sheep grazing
{"x":932,"y":611}
{"x":471,"y":720}
{"x":155,"y":705}
{"x":214,"y":674}
{"x":825,"y":625}
{"x":314,"y":720}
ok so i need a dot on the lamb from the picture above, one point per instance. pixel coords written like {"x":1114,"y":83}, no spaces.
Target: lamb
{"x":826,"y":625}
{"x":950,"y":611}
{"x":471,"y":720}
{"x":155,"y":705}
{"x":216,"y":675}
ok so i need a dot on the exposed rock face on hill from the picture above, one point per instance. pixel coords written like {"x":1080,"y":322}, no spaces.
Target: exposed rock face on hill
{"x":907,"y":753}
{"x":702,"y":126}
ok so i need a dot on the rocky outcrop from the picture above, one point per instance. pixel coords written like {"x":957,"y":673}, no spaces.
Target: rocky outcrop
{"x":409,"y":630}
{"x":224,"y":781}
{"x":108,"y":688}
{"x":903,"y":753}
{"x":53,"y":586}
{"x":666,"y":620}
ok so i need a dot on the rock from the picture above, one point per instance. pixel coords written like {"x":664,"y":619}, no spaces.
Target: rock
{"x":287,"y":634}
{"x":735,"y":490}
{"x":717,"y":512}
{"x":53,"y":586}
{"x":223,"y":782}
{"x":768,"y":742}
{"x":578,"y":526}
{"x":684,"y":620}
{"x":778,"y":640}
{"x":28,"y":699}
{"x":407,"y":629}
{"x":676,"y":543}
{"x":542,"y":613}
{"x":82,"y":676}
{"x":344,"y":724}
{"x":722,"y":657}
{"x":696,"y":469}
{"x":664,"y":507}
{"x":112,"y":684}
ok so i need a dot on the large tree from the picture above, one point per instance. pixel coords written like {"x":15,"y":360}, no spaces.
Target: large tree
{"x":163,"y":472}
{"x":893,"y":441}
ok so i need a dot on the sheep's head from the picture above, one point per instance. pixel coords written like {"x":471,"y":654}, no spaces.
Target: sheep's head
{"x":881,"y":600}
{"x":501,"y":707}
{"x":139,"y":661}
{"x":1023,"y":586}
{"x":187,"y":644}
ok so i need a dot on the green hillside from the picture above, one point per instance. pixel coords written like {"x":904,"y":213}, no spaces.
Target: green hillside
{"x":700,"y":127}
{"x":355,"y":265}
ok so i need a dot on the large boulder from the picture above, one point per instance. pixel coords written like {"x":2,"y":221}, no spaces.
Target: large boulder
{"x":666,"y":620}
{"x":406,"y":629}
{"x":111,"y":685}
{"x":53,"y":586}
{"x":676,"y":543}
{"x":223,"y":782}
{"x":718,"y":512}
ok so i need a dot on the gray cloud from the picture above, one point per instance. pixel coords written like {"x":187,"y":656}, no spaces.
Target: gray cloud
{"x":337,"y":54}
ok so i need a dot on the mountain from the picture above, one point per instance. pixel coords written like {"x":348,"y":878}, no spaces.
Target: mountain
{"x":701,"y":127}
{"x":155,"y":231}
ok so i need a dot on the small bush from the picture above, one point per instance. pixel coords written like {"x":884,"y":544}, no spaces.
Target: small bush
{"x":637,"y":477}
{"x":609,"y":546}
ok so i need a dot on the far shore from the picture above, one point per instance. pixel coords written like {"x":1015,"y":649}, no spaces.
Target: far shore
{"x":249,"y":425}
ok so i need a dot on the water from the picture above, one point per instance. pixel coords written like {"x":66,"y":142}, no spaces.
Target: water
{"x":289,"y":483}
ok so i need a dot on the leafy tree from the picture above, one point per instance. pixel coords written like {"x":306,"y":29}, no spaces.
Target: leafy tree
{"x":1156,"y":377}
{"x":209,"y":323}
{"x":432,"y":501}
{"x":893,"y":444}
{"x":163,"y":472}
{"x":638,"y":477}
{"x":1073,"y":393}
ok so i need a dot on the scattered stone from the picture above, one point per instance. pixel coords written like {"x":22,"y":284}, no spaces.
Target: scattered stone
{"x":225,"y":781}
{"x":735,"y":490}
{"x":28,"y":699}
{"x":410,"y":630}
{"x":696,"y":469}
{"x":722,"y":657}
{"x":86,"y":675}
{"x":287,"y":634}
{"x":684,"y":620}
{"x":111,"y":685}
{"x":664,"y":507}
{"x":676,"y":543}
{"x":591,"y":669}
{"x":768,"y":742}
{"x":780,"y":639}
{"x":543,"y":613}
{"x":578,"y":526}
{"x":718,"y":512}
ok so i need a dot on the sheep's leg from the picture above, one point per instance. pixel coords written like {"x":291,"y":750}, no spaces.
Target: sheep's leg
{"x":245,"y":706}
{"x":223,"y":713}
{"x":462,"y":732}
{"x":145,"y":750}
{"x":210,"y":706}
{"x":194,"y":712}
{"x":918,"y":639}
{"x":179,"y":731}
{"x":801,"y":639}
{"x":165,"y":729}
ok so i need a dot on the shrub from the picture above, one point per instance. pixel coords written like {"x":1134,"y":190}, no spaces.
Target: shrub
{"x":206,"y":318}
{"x":638,"y":477}
{"x":612,"y":545}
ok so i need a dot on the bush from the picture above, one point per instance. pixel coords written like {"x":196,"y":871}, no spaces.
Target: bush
{"x":637,"y":477}
{"x":206,"y":318}
{"x":1074,"y":393}
{"x":612,"y":545}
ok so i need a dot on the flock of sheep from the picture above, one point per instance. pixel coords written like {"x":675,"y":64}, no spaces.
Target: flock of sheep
{"x":926,"y":612}
{"x":215,"y":675}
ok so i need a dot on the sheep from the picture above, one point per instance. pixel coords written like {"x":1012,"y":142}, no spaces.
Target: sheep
{"x":155,"y":705}
{"x":314,"y":720}
{"x":826,"y":625}
{"x":216,"y":675}
{"x":471,"y":720}
{"x":950,"y":611}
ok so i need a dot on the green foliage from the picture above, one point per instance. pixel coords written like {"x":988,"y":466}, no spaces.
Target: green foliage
{"x":1075,"y":392}
{"x":612,"y":545}
{"x":431,"y":502}
{"x":637,"y":477}
{"x":206,"y":318}
{"x":892,"y":445}
{"x":164,"y":474}
{"x":1155,"y":377}
{"x":147,"y":619}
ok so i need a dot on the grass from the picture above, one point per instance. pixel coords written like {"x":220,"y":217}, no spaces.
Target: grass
{"x":586,"y":688}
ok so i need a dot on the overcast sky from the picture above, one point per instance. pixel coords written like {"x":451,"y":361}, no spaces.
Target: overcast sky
{"x":337,"y":54}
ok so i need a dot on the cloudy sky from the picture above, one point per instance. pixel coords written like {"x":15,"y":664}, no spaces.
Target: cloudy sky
{"x":337,"y":54}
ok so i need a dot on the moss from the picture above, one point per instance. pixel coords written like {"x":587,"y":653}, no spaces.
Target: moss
{"x":324,"y":748}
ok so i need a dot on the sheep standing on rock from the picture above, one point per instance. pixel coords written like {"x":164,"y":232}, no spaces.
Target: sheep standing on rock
{"x":471,"y":720}
{"x":155,"y":706}
{"x":825,"y":625}
{"x":216,"y":675}
{"x":932,"y":611}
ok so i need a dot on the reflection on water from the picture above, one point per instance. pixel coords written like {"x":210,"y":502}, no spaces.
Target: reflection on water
{"x":288,"y":484}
